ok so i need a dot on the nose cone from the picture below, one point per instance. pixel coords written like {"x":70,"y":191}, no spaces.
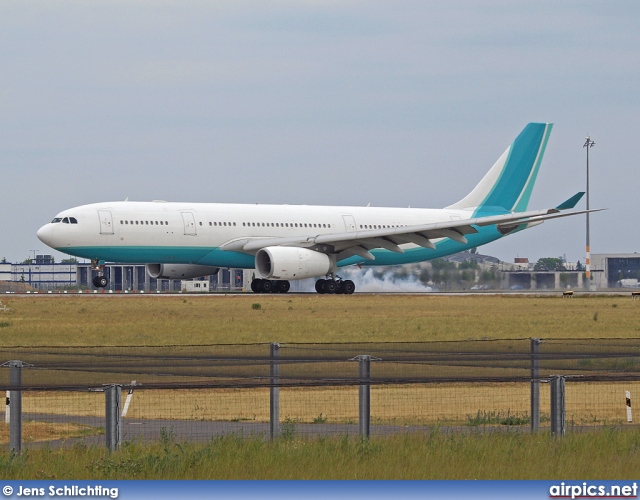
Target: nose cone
{"x":45,"y":235}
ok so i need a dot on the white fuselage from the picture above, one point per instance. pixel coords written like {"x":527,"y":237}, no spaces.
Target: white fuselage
{"x":157,"y":231}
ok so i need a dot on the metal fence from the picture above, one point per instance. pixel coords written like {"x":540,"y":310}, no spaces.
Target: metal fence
{"x":107,"y":395}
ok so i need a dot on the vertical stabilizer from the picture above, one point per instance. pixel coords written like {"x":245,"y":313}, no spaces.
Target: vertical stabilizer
{"x":508,"y":185}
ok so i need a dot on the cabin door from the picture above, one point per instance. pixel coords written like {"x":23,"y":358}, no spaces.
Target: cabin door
{"x":106,"y":222}
{"x":189,"y":223}
{"x":349,"y":223}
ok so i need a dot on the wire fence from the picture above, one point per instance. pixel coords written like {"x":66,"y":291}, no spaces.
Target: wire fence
{"x":271,"y":390}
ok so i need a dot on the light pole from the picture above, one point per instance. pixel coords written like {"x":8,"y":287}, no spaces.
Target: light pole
{"x":588,"y":143}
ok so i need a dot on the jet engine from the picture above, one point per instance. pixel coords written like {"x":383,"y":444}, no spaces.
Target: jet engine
{"x":290,"y":263}
{"x":179,"y":271}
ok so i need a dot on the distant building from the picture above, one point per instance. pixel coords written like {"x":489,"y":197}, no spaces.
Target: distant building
{"x":614,"y":268}
{"x":43,"y":274}
{"x":195,"y":286}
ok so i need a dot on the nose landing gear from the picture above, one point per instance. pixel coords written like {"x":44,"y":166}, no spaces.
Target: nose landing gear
{"x":101,"y":280}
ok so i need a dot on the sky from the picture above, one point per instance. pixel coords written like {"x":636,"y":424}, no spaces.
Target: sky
{"x":393,"y":103}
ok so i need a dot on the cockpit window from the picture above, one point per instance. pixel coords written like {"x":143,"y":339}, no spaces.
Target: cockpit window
{"x":73,"y":220}
{"x":56,"y":220}
{"x":65,"y":220}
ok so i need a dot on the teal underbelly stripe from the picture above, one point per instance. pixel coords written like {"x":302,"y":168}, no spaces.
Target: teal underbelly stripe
{"x":170,"y":255}
{"x":222,"y":258}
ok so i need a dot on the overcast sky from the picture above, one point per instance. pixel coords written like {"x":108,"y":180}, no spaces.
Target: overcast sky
{"x":344,"y":102}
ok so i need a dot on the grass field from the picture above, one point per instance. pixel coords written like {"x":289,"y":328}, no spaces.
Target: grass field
{"x":588,"y":404}
{"x":33,"y":432}
{"x":601,"y":455}
{"x":191,"y":320}
{"x":183,"y":320}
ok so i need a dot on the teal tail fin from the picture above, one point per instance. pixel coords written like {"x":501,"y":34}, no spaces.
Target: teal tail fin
{"x":508,"y":185}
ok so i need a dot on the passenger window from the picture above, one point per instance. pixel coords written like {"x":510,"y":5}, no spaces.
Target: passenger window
{"x":201,"y":223}
{"x":161,"y":223}
{"x":210,"y":224}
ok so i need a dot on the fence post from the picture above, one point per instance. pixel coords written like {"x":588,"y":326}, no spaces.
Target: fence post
{"x":113,"y":411}
{"x":364,"y":393}
{"x":15,"y":407}
{"x":557,"y":405}
{"x":535,"y":385}
{"x":274,"y":392}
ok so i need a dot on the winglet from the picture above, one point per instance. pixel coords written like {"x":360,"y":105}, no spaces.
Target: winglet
{"x":571,"y":202}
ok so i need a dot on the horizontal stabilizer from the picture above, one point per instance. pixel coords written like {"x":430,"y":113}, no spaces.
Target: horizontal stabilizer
{"x":571,"y":202}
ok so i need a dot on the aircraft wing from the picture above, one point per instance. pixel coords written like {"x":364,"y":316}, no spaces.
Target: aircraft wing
{"x":346,"y":244}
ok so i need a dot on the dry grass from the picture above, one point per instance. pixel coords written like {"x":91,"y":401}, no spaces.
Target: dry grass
{"x":432,"y":404}
{"x":214,"y":319}
{"x":166,"y":320}
{"x":46,"y":431}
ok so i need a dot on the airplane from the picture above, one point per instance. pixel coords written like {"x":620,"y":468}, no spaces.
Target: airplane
{"x":293,"y":242}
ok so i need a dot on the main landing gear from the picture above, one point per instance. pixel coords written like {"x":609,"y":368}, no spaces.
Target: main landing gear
{"x":346,"y":287}
{"x":270,"y":286}
{"x":332,"y":285}
{"x":101,"y":280}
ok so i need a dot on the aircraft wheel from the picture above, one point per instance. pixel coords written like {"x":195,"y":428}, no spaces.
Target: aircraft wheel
{"x":348,"y":287}
{"x":267,"y":285}
{"x":329,"y":286}
{"x":102,"y":281}
{"x":283,"y":286}
{"x":256,"y":285}
{"x":320,"y":286}
{"x":275,"y":286}
{"x":96,"y":282}
{"x":339,"y":288}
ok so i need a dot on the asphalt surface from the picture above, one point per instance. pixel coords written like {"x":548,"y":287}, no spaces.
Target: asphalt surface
{"x":148,"y":431}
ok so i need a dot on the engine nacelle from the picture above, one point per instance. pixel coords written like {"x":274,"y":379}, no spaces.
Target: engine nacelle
{"x":179,"y":271}
{"x":290,"y":263}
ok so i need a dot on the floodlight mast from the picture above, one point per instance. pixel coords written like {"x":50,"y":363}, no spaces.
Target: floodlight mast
{"x":588,"y":144}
